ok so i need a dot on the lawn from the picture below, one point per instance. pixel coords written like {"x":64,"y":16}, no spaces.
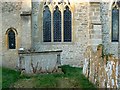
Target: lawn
{"x":71,"y":78}
{"x":0,"y":78}
{"x":9,"y":77}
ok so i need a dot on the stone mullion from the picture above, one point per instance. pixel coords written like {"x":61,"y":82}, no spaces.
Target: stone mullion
{"x":62,"y":24}
{"x":52,"y":25}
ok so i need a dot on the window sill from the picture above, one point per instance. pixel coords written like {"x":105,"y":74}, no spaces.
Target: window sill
{"x":57,"y":43}
{"x":12,"y":49}
{"x":115,"y":43}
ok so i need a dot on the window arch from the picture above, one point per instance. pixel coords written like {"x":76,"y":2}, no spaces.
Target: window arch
{"x":115,"y":24}
{"x":11,"y":39}
{"x":67,"y":25}
{"x":57,"y":25}
{"x":46,"y":25}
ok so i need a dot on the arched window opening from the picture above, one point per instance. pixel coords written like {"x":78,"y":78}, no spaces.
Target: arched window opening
{"x":57,"y":25}
{"x":11,"y":39}
{"x":67,"y":25}
{"x":115,"y":24}
{"x":46,"y":25}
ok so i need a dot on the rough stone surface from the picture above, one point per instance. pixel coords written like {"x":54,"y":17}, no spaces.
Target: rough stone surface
{"x":91,"y":26}
{"x":39,"y":62}
{"x":11,"y":19}
{"x":101,"y":70}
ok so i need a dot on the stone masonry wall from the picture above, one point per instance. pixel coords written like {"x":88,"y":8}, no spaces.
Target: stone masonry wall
{"x":106,"y":20}
{"x":0,"y":34}
{"x":72,"y":51}
{"x":11,"y":18}
{"x":95,"y":26}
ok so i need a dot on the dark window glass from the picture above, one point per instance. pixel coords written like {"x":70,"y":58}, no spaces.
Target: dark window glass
{"x":11,"y":39}
{"x":115,"y":25}
{"x":46,"y":25}
{"x":57,"y":25}
{"x":67,"y":25}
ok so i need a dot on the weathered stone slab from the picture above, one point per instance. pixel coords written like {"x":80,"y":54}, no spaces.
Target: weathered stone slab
{"x":39,"y":62}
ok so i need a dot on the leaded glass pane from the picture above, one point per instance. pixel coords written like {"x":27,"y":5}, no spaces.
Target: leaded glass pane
{"x":11,"y":39}
{"x":115,"y":25}
{"x":57,"y":25}
{"x":67,"y":25}
{"x":47,"y":25}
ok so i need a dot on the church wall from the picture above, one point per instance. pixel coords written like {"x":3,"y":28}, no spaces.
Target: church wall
{"x":11,"y":19}
{"x":91,"y":25}
{"x":95,"y":27}
{"x":110,"y":47}
{"x":73,"y":52}
{"x":0,"y":34}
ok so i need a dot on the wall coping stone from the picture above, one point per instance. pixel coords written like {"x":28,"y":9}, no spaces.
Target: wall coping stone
{"x":34,"y":52}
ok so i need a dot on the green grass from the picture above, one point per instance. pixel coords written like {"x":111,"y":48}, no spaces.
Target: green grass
{"x":76,"y":74}
{"x":0,"y":77}
{"x":71,"y":78}
{"x":9,"y":77}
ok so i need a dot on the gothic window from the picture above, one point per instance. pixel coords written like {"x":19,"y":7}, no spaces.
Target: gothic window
{"x":57,"y":25}
{"x":46,"y":25}
{"x":11,"y":39}
{"x":67,"y":25}
{"x":115,"y":24}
